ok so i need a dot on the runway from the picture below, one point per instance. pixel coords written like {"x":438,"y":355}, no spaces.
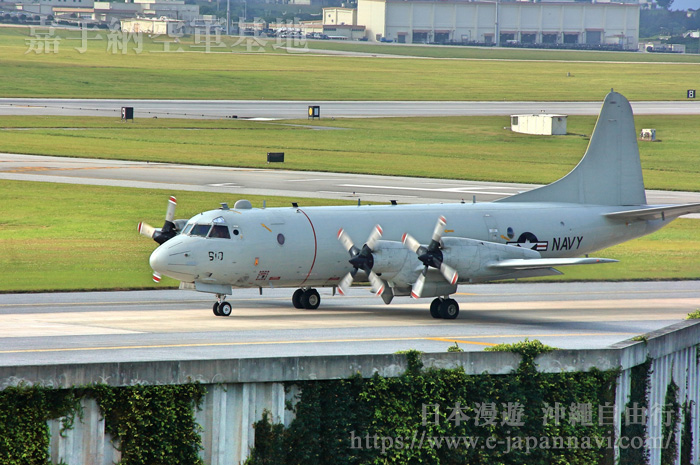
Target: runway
{"x":293,"y":109}
{"x":296,"y":184}
{"x":38,"y":329}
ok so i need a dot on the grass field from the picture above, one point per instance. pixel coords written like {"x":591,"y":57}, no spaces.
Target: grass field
{"x":104,"y":72}
{"x":63,"y":237}
{"x":474,"y":148}
{"x":66,"y":237}
{"x":498,"y":53}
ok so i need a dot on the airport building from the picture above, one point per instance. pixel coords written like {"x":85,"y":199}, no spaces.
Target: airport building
{"x":336,"y":23}
{"x":546,"y":23}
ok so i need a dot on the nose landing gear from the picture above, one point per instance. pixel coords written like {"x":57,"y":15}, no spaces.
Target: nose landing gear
{"x":306,"y":298}
{"x":221,"y":307}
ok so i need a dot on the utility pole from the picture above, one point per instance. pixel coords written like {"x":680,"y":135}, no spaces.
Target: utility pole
{"x":228,"y":17}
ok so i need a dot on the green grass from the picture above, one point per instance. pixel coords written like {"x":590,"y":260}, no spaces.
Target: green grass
{"x":498,"y":53}
{"x":100,"y":73}
{"x":69,"y":237}
{"x":474,"y":148}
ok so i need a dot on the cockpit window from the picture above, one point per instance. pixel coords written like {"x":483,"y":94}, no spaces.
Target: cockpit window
{"x":187,"y":228}
{"x":200,"y":230}
{"x":220,"y":231}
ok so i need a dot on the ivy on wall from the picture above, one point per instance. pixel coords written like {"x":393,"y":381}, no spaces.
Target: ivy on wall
{"x":155,"y":424}
{"x":638,"y":402}
{"x":670,"y":420}
{"x":687,"y":433}
{"x":444,"y":416}
{"x":24,"y":412}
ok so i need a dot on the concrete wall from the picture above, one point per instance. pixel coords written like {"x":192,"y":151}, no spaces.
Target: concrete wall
{"x":239,"y":390}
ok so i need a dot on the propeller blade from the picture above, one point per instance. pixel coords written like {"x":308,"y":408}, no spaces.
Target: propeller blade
{"x":344,"y":239}
{"x":146,"y":230}
{"x":410,"y":243}
{"x":345,"y":283}
{"x":170,"y":212}
{"x":374,"y":236}
{"x":156,"y":277}
{"x":449,"y":273}
{"x":439,"y":229}
{"x":417,"y":289}
{"x":376,"y":282}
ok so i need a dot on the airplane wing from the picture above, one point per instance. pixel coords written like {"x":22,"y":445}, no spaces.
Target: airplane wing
{"x":654,"y":213}
{"x":536,"y":263}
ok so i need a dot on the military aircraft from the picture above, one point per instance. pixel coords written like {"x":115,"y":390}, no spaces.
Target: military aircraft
{"x":420,"y":250}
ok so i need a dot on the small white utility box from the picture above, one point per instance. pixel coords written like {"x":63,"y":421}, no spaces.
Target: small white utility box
{"x":648,"y":134}
{"x":543,"y":124}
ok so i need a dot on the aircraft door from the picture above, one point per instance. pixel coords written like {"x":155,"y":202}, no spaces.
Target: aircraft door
{"x":289,"y":250}
{"x":492,"y":228}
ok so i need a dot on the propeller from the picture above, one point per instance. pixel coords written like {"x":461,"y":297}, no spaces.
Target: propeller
{"x":169,"y":229}
{"x":430,"y":256}
{"x":361,"y":259}
{"x":156,"y":277}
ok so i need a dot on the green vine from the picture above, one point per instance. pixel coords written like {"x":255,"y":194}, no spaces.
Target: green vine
{"x":420,"y":417}
{"x":687,"y":434}
{"x":670,"y":420}
{"x":155,"y":424}
{"x":633,"y":425}
{"x":24,"y":412}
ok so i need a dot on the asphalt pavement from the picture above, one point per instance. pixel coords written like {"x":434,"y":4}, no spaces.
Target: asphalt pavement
{"x":92,"y":327}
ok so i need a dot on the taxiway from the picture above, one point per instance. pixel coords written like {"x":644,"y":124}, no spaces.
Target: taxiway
{"x":295,"y":184}
{"x":291,"y":109}
{"x":96,"y":327}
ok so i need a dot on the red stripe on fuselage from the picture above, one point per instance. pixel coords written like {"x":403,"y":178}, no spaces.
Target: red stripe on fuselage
{"x":315,"y":247}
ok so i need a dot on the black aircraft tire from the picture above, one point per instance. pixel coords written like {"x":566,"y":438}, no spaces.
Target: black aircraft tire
{"x":449,"y":309}
{"x":216,"y":309}
{"x":435,"y":308}
{"x":311,"y":299}
{"x":296,"y":298}
{"x":225,"y":309}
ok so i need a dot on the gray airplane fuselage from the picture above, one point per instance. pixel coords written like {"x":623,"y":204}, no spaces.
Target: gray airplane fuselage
{"x":293,"y":247}
{"x":423,"y":250}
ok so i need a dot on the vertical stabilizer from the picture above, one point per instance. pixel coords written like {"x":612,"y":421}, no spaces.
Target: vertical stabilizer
{"x":610,"y":172}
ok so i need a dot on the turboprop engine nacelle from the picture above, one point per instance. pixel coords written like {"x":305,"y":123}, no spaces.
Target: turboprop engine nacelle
{"x":394,"y":262}
{"x":473,"y":257}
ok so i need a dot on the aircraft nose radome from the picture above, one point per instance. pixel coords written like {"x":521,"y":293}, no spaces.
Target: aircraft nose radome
{"x":159,"y":259}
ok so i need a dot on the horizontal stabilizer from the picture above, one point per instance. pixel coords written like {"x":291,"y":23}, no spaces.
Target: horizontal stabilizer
{"x":655,"y":213}
{"x":535,"y":263}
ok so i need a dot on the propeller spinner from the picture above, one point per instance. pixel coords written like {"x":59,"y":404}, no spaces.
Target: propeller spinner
{"x":169,"y":229}
{"x":430,"y":256}
{"x":361,"y":259}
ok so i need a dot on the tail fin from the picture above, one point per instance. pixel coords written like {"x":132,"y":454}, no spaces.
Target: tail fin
{"x":610,"y":172}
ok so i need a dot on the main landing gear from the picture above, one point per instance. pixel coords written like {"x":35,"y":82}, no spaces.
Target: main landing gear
{"x":306,"y":298}
{"x":221,"y":307}
{"x":445,"y":308}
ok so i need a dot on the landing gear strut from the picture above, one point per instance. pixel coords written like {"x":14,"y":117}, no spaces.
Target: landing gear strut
{"x":221,"y":307}
{"x":445,"y":308}
{"x":306,"y":298}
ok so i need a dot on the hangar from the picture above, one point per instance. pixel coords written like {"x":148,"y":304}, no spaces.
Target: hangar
{"x":546,"y":23}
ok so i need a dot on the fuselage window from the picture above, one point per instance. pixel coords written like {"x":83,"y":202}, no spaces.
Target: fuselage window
{"x":220,"y":231}
{"x":200,"y":230}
